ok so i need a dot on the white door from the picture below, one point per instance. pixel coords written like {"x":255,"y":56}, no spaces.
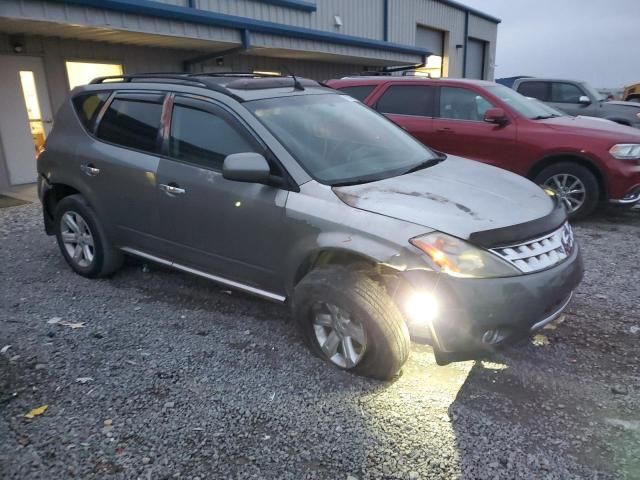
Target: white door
{"x":25,"y":115}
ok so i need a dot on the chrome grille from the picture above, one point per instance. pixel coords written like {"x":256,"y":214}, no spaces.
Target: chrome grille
{"x":541,"y":253}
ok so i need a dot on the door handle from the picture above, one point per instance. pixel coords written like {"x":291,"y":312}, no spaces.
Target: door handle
{"x":90,"y":170}
{"x":171,"y":189}
{"x":444,"y":130}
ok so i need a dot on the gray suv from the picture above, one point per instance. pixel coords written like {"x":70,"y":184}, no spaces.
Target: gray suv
{"x":297,"y":193}
{"x":577,"y":98}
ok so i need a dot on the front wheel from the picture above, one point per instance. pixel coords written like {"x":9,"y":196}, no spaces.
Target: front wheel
{"x":576,"y":186}
{"x":351,"y":322}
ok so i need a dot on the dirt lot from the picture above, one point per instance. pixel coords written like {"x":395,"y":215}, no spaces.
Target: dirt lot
{"x":156,"y":374}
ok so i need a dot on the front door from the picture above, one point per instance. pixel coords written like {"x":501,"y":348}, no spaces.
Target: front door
{"x":460,"y":128}
{"x":25,"y":115}
{"x":226,"y":228}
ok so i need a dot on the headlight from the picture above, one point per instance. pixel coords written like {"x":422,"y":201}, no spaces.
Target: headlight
{"x":458,"y":258}
{"x":625,"y":151}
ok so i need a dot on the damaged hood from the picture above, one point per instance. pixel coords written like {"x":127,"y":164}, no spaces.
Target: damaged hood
{"x":456,"y":196}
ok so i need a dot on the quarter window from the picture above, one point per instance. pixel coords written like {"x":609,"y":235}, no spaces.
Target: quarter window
{"x":132,"y":123}
{"x":88,"y":106}
{"x":408,"y":100}
{"x":359,"y":92}
{"x":537,"y":90}
{"x":203,"y":138}
{"x":565,"y":93}
{"x":462,"y":104}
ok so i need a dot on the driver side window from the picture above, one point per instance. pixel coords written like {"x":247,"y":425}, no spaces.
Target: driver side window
{"x":461,"y":104}
{"x":203,"y":138}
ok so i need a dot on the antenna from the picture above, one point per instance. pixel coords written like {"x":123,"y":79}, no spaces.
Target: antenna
{"x":296,"y":84}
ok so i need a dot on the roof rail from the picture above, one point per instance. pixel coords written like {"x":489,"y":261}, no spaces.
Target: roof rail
{"x":175,"y":78}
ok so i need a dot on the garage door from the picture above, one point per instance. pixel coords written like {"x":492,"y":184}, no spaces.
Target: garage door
{"x":475,"y":58}
{"x":433,"y":41}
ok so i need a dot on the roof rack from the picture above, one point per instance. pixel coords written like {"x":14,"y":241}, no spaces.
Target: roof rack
{"x":212,"y":80}
{"x":176,"y":78}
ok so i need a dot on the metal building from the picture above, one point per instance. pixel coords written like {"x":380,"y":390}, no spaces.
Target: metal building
{"x":49,"y":46}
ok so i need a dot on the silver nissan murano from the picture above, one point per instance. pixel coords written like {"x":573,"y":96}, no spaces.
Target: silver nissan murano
{"x":286,"y":189}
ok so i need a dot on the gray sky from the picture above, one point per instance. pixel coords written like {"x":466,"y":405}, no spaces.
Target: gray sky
{"x":593,"y":40}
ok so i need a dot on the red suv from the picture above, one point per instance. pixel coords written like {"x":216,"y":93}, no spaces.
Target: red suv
{"x":584,"y":160}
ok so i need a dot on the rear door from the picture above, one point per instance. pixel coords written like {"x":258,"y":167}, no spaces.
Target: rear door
{"x":222,"y":227}
{"x":460,"y":128}
{"x":411,"y":106}
{"x":121,"y":167}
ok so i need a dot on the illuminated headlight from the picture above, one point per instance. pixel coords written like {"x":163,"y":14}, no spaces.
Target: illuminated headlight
{"x":458,"y":258}
{"x":421,"y":308}
{"x":625,"y":151}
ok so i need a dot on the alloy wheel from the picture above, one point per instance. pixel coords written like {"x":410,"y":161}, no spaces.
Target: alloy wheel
{"x":569,"y":189}
{"x":342,"y":339}
{"x":77,"y":239}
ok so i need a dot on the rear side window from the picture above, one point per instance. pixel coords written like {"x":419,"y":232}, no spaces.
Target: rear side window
{"x":408,"y":100}
{"x":88,"y":106}
{"x":133,"y":122}
{"x":204,"y":138}
{"x":565,"y":93}
{"x":359,"y":92}
{"x":538,"y":90}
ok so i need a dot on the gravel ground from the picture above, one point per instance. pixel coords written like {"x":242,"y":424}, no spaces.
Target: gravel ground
{"x":168,"y":376}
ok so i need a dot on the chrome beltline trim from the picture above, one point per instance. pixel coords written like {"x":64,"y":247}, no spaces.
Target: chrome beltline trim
{"x":553,"y":316}
{"x":215,"y":278}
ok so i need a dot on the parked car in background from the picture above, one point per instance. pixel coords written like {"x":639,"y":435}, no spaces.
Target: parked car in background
{"x":632,"y":93}
{"x":577,"y":98}
{"x":291,"y":191}
{"x":584,"y":160}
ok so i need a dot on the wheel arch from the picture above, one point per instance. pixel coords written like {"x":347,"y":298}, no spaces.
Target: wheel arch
{"x":577,"y":158}
{"x":51,"y":197}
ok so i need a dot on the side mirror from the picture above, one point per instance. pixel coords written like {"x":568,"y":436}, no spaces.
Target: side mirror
{"x":496,"y":116}
{"x":584,"y":100}
{"x":246,"y":167}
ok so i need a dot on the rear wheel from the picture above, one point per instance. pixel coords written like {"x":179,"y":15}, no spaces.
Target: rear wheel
{"x":82,"y":239}
{"x":575,"y":185}
{"x":351,"y":322}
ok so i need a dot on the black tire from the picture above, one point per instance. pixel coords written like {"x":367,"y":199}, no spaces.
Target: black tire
{"x":588,"y":179}
{"x":106,"y":259}
{"x":387,"y":336}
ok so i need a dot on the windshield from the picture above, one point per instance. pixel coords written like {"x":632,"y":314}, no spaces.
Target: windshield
{"x":338,"y":140}
{"x":525,"y":106}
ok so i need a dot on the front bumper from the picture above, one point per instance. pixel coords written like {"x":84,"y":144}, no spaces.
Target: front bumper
{"x":480,"y":315}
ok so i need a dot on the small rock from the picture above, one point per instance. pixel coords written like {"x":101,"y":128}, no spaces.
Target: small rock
{"x":137,"y":309}
{"x":108,"y":422}
{"x":169,"y":404}
{"x":414,"y":475}
{"x":247,"y":332}
{"x":146,"y":460}
{"x":351,"y":477}
{"x":40,"y":366}
{"x":634,"y":330}
{"x":619,"y":390}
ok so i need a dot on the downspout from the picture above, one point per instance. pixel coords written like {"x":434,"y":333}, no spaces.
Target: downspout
{"x":192,"y":4}
{"x":385,"y":20}
{"x":466,"y":42}
{"x":245,"y":46}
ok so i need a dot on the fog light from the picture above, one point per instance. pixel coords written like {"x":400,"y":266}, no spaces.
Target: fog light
{"x":421,"y":307}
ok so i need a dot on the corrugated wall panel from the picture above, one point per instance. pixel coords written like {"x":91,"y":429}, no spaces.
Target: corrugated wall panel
{"x":361,"y":18}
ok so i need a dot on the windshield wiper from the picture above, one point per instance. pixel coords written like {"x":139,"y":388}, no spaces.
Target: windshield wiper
{"x":544,"y":117}
{"x":426,"y":164}
{"x":356,"y":181}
